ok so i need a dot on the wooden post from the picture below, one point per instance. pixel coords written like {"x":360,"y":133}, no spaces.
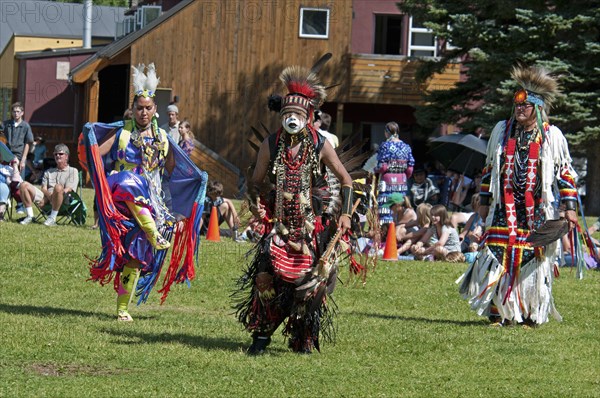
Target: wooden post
{"x":92,"y":96}
{"x":339,"y":121}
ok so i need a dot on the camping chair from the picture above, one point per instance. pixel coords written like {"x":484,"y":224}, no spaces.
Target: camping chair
{"x":72,"y":211}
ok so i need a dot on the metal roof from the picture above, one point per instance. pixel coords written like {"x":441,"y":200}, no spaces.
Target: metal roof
{"x":115,"y":48}
{"x":53,"y":19}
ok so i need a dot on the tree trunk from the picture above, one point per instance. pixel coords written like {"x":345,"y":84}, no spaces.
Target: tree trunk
{"x":592,"y":184}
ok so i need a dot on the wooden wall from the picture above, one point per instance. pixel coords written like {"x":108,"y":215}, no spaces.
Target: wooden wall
{"x":385,"y":79}
{"x":223,"y":59}
{"x":217,"y":169}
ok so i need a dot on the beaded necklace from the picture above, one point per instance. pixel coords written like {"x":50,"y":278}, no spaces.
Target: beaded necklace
{"x":152,"y":147}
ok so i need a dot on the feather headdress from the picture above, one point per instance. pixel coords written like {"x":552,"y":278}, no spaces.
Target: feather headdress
{"x":144,"y":84}
{"x":305,"y":90}
{"x":537,"y":86}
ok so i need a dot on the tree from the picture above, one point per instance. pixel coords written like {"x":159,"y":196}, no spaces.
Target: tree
{"x":492,"y":36}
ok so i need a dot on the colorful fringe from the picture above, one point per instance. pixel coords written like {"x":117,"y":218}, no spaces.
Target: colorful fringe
{"x":114,"y":225}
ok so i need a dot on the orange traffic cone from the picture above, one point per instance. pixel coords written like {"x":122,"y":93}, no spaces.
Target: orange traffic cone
{"x":391,"y":245}
{"x":213,"y":233}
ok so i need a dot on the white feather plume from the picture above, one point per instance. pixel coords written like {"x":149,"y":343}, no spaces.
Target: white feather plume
{"x":139,"y":78}
{"x":151,"y":79}
{"x":145,"y":79}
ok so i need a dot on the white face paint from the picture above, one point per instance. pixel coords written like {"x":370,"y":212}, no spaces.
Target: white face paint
{"x":293,"y":123}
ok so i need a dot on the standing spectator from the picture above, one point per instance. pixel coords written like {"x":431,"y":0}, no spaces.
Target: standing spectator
{"x":18,"y":134}
{"x":172,"y":127}
{"x":322,"y":125}
{"x":394,"y":165}
{"x":57,"y":183}
{"x":528,"y":171}
{"x":422,"y":189}
{"x":187,"y":137}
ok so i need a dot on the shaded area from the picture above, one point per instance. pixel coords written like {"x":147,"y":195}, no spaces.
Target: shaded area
{"x":417,"y":319}
{"x":195,"y":341}
{"x":56,"y":311}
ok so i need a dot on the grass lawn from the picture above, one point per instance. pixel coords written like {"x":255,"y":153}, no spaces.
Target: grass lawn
{"x":407,"y":333}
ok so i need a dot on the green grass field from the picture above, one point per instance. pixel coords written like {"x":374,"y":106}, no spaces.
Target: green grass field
{"x":407,"y":333}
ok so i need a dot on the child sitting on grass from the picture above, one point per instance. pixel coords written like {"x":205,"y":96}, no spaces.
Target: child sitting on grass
{"x":441,"y":239}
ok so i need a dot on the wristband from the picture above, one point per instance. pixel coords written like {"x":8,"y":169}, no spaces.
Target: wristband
{"x":570,"y":205}
{"x":347,"y":200}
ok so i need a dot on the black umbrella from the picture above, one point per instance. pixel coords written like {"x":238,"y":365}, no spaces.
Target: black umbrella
{"x":464,"y":153}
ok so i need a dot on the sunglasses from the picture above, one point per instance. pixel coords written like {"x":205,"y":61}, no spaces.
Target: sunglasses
{"x":59,"y":154}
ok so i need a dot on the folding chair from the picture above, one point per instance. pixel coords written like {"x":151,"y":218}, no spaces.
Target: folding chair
{"x":72,"y":211}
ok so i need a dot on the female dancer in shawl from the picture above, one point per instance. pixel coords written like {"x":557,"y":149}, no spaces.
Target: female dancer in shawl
{"x":527,"y":178}
{"x":131,"y":205}
{"x":395,"y":164}
{"x":286,"y":278}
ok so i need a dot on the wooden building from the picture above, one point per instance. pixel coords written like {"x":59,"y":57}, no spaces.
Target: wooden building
{"x":29,"y":26}
{"x":219,"y":61}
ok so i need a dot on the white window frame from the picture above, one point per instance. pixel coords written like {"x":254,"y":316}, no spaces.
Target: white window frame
{"x":129,"y":24}
{"x":311,"y":36}
{"x":142,"y":12}
{"x":412,"y":48}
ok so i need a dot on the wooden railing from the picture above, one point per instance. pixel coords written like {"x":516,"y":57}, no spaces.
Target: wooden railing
{"x":385,"y":79}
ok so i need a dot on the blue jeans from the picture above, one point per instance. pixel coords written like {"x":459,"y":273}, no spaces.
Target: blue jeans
{"x":4,"y":191}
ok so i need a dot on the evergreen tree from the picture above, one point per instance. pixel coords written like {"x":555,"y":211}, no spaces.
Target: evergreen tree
{"x":492,"y":36}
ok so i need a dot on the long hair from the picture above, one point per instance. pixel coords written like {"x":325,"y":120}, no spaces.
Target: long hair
{"x":441,"y":212}
{"x":188,"y":126}
{"x":392,"y":129}
{"x":423,"y":216}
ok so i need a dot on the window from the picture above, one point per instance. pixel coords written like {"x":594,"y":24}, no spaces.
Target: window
{"x":314,"y":23}
{"x":421,"y":41}
{"x":388,"y":34}
{"x":147,"y":14}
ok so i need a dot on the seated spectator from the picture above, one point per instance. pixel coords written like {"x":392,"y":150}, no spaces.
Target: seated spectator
{"x":35,"y":160}
{"x":421,"y":189}
{"x":402,"y":214}
{"x":473,"y":230}
{"x":458,"y":190}
{"x":187,"y":137}
{"x":255,"y":229}
{"x":6,"y":173}
{"x":441,"y":239}
{"x":225,"y":210}
{"x":474,"y":187}
{"x":423,"y":223}
{"x":591,"y":230}
{"x":57,"y":183}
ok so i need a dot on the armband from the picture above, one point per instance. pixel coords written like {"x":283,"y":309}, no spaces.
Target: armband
{"x":570,"y":205}
{"x":347,"y":200}
{"x":484,"y":200}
